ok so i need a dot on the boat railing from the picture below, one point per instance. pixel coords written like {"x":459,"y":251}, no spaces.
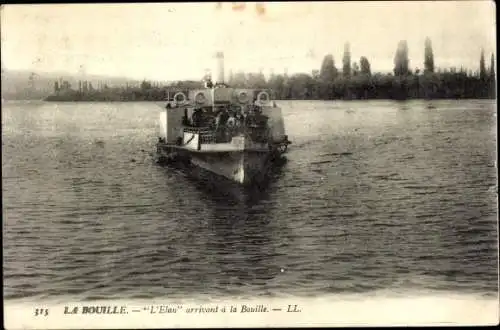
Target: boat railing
{"x":209,"y":135}
{"x":197,"y":130}
{"x":208,"y":138}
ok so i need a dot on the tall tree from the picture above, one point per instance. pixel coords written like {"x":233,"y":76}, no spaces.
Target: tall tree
{"x":239,"y":80}
{"x":31,"y":80}
{"x":328,"y":72}
{"x":365,"y":66}
{"x":429,"y":57}
{"x":493,"y":84}
{"x":256,"y":80}
{"x":276,"y":83}
{"x":261,"y":77}
{"x":482,"y":66}
{"x":401,"y":60}
{"x":315,"y":74}
{"x":355,"y":69}
{"x":492,"y":67}
{"x":301,"y":86}
{"x":144,"y":85}
{"x":346,"y":61}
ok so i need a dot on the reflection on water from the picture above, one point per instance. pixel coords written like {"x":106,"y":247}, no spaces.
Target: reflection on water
{"x":238,"y":238}
{"x":374,"y":196}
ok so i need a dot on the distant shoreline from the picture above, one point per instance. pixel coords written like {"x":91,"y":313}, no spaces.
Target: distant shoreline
{"x":449,"y":85}
{"x":433,"y":86}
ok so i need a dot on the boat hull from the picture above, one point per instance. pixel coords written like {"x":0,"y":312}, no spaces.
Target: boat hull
{"x":243,"y":167}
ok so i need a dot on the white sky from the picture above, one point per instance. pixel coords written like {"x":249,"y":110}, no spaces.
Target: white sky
{"x":177,"y":41}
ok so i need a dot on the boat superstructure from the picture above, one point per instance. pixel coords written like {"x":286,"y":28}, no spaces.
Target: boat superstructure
{"x":232,"y":132}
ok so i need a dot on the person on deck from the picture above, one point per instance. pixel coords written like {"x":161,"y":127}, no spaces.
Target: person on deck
{"x":209,"y":83}
{"x":223,"y":117}
{"x":231,"y":124}
{"x":185,"y":119}
{"x":221,"y":125}
{"x":196,"y":118}
{"x":231,"y":121}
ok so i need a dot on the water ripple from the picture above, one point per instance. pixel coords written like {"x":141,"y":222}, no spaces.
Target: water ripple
{"x":378,"y":199}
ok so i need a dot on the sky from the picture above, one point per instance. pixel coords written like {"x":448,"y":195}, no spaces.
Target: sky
{"x":173,"y":41}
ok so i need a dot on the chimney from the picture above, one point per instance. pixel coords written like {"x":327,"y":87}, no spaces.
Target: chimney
{"x":220,"y":67}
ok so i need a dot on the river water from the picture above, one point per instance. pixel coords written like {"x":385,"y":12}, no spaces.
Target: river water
{"x":375,"y":197}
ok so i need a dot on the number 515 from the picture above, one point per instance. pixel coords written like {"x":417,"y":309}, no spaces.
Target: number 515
{"x":41,"y":312}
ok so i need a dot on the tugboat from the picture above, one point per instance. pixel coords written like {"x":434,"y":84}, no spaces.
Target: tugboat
{"x":234,"y":133}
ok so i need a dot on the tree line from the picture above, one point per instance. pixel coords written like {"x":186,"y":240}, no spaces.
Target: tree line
{"x":354,"y":81}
